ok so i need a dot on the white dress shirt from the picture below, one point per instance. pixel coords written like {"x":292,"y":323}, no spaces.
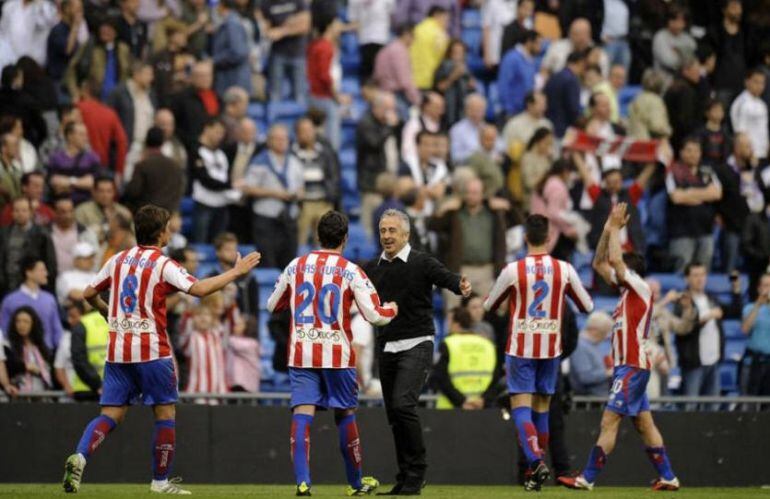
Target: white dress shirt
{"x":749,"y":115}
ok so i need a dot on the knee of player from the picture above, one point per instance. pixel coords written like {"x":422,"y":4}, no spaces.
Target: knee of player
{"x":163,"y":412}
{"x":643,"y":425}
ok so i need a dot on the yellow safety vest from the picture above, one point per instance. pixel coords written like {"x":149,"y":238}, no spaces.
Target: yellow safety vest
{"x":472,"y":360}
{"x":97,"y":339}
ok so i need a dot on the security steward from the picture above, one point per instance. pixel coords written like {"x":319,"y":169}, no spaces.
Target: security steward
{"x":90,"y":338}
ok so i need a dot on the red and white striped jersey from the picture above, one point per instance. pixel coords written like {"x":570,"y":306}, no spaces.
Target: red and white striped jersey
{"x":632,"y":319}
{"x":320,"y":288}
{"x":206,"y":356}
{"x":535,"y":287}
{"x":139,"y":280}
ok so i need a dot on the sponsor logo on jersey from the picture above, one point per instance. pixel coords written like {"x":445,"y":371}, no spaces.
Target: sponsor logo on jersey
{"x":538,"y":325}
{"x":318,"y":335}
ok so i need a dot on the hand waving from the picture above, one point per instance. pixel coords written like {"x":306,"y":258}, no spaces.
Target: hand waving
{"x":244,"y":265}
{"x":618,"y":218}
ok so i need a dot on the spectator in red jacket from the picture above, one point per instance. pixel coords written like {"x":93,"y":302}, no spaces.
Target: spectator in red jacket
{"x":104,"y":128}
{"x":32,"y":188}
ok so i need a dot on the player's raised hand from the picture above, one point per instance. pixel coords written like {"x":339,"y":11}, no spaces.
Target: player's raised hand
{"x":244,"y":265}
{"x":392,"y":305}
{"x":465,"y":287}
{"x":618,"y":218}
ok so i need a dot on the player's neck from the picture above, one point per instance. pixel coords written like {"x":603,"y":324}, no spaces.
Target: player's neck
{"x":333,"y":250}
{"x":537,"y":250}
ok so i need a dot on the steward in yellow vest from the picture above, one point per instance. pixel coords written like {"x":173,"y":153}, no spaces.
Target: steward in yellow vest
{"x":465,"y":370}
{"x":89,"y":353}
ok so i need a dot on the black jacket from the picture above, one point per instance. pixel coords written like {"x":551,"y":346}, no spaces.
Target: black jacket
{"x":121,"y":101}
{"x":732,"y":207}
{"x":601,"y":210}
{"x":190,"y":115}
{"x":410,"y":285}
{"x":370,"y":150}
{"x":688,"y":345}
{"x":39,"y":244}
{"x":157,"y":180}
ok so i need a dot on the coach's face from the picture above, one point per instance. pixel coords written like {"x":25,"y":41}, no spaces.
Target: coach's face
{"x":393,"y":237}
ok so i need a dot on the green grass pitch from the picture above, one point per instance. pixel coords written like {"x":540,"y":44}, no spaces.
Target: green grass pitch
{"x":134,"y":491}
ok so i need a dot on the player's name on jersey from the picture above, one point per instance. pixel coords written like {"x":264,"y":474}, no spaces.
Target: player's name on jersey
{"x":132,"y":261}
{"x":131,"y":325}
{"x":318,"y":335}
{"x":310,"y":268}
{"x":538,"y":269}
{"x":538,"y":325}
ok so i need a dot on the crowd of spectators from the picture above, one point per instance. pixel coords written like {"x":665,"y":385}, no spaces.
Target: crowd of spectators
{"x":557,"y":107}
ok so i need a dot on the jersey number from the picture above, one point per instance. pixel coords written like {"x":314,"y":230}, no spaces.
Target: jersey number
{"x":539,"y":292}
{"x":128,"y":294}
{"x":334,"y":307}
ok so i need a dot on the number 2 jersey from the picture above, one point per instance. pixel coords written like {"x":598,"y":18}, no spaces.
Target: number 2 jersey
{"x":138,"y":280}
{"x":535,"y":287}
{"x":320,"y":288}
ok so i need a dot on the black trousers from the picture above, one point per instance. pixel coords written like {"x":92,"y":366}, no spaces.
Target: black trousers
{"x":403,"y":376}
{"x":759,"y":375}
{"x":368,"y":53}
{"x":276,"y":240}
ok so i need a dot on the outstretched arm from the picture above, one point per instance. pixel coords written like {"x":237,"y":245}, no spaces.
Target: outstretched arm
{"x":601,"y":258}
{"x":242,"y":267}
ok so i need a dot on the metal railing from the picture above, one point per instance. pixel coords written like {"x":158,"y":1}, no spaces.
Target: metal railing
{"x":577,"y":403}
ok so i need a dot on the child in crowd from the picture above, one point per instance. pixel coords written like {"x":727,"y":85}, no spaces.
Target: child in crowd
{"x":243,"y":365}
{"x":202,"y":343}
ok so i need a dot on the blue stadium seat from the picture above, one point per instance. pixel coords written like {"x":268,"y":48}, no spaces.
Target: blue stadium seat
{"x":351,"y":204}
{"x":351,"y":86}
{"x":732,"y":329}
{"x":728,"y":372}
{"x":245,"y":249}
{"x":348,"y":179}
{"x":186,"y":206}
{"x":266,"y":275}
{"x":626,"y":96}
{"x":286,"y":111}
{"x":360,"y":247}
{"x":206,"y":252}
{"x":472,"y":39}
{"x":605,"y":303}
{"x":257,"y":111}
{"x":206,"y":269}
{"x":349,"y":43}
{"x":669,"y":281}
{"x":655,"y":228}
{"x":471,"y":18}
{"x":348,"y":159}
{"x":348,"y":137}
{"x":719,"y":284}
{"x":493,"y":101}
{"x":735,"y":348}
{"x":582,"y":260}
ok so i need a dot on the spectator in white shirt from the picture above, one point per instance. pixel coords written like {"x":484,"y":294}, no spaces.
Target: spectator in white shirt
{"x":70,"y":284}
{"x":749,"y":113}
{"x":495,"y":16}
{"x":372,"y":18}
{"x":464,"y":135}
{"x":431,"y":111}
{"x":615,"y":33}
{"x":25,"y":24}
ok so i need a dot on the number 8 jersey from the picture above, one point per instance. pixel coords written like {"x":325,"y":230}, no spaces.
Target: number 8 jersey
{"x":320,"y":288}
{"x":536,"y":286}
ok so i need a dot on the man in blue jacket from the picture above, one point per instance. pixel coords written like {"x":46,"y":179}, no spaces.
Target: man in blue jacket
{"x":517,"y":73}
{"x":230,"y":51}
{"x":563,"y":93}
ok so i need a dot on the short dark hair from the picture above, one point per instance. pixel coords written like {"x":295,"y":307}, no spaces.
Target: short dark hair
{"x":224,"y":238}
{"x":154,"y":138}
{"x":59,"y":198}
{"x":754,"y":71}
{"x":529,"y":98}
{"x":64,"y":110}
{"x":529,"y":35}
{"x":403,"y":29}
{"x":150,"y":221}
{"x":213,"y":122}
{"x":713,"y":102}
{"x":436,"y":9}
{"x":29,"y":262}
{"x":688,"y":268}
{"x":28,"y":176}
{"x":635,"y":261}
{"x":577,"y":56}
{"x":104,"y":179}
{"x":540,"y":134}
{"x":536,"y":229}
{"x":69,"y":128}
{"x":690,"y":139}
{"x":422,"y":134}
{"x":332,"y":229}
{"x":675,"y":11}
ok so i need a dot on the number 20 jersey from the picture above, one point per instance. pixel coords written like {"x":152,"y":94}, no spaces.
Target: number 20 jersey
{"x":320,"y":289}
{"x":138,"y":280}
{"x":535,"y":287}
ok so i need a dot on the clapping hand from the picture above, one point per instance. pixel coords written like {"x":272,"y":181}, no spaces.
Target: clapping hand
{"x":618,"y":218}
{"x":465,"y":287}
{"x":244,"y":265}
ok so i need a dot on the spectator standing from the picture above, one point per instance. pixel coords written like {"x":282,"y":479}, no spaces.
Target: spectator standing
{"x":71,"y":171}
{"x":203,"y":347}
{"x":321,"y":173}
{"x":684,"y":101}
{"x":230,"y":51}
{"x":430,"y":44}
{"x":28,"y":357}
{"x":551,"y":199}
{"x":197,"y":17}
{"x":20,"y":240}
{"x":88,"y":345}
{"x":63,"y":42}
{"x":31,"y":294}
{"x":131,"y":30}
{"x":536,"y":162}
{"x":693,"y":191}
{"x":454,"y":81}
{"x":275,"y":180}
{"x":517,"y":73}
{"x":66,"y":234}
{"x":590,"y":365}
{"x":72,"y":282}
{"x":464,"y":134}
{"x":749,"y":114}
{"x":67,"y":113}
{"x":701,"y":348}
{"x":172,"y":147}
{"x":756,"y":325}
{"x":495,"y":16}
{"x":393,"y":70}
{"x":105,"y":59}
{"x":157,"y":179}
{"x":430,"y":176}
{"x":579,"y":40}
{"x":106,"y":135}
{"x":429,"y":119}
{"x":242,"y":362}
{"x":739,"y":187}
{"x":730,"y":41}
{"x":714,"y":137}
{"x":32,"y":188}
{"x":414,"y":11}
{"x":376,"y":152}
{"x":241,"y":154}
{"x":10,"y":170}
{"x":27,"y":159}
{"x":196,"y":104}
{"x":755,"y":247}
{"x":25,"y":24}
{"x":288,"y":25}
{"x":171,"y":65}
{"x":372,"y":19}
{"x":135,"y":103}
{"x":97,"y":213}
{"x":212,"y":188}
{"x":672,"y":45}
{"x":236,"y":108}
{"x":515,"y":30}
{"x":563,"y":94}
{"x":474,"y":235}
{"x":519,"y":130}
{"x":486,"y":162}
{"x":614,"y":34}
{"x":324,"y":75}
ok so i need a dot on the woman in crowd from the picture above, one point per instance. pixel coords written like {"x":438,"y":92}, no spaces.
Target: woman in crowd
{"x":28,"y":358}
{"x":454,"y":81}
{"x":551,"y":199}
{"x":536,"y":161}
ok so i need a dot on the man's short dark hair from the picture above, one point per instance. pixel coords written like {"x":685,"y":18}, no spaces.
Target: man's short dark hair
{"x":754,"y":71}
{"x":436,"y":9}
{"x":29,"y":262}
{"x":154,"y":138}
{"x":635,"y":261}
{"x":150,"y":221}
{"x":423,"y":134}
{"x":690,"y":139}
{"x":536,"y":229}
{"x":106,"y":179}
{"x":59,"y":198}
{"x":529,"y":98}
{"x":69,"y":128}
{"x":224,"y":238}
{"x":64,"y":110}
{"x":403,"y":29}
{"x":577,"y":56}
{"x":28,"y":176}
{"x":688,"y":268}
{"x":332,"y":229}
{"x":529,"y":35}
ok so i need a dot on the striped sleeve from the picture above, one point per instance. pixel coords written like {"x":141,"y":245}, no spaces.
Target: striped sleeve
{"x":176,"y":275}
{"x":103,"y":278}
{"x":279,"y":299}
{"x":577,"y":292}
{"x":502,"y":288}
{"x":368,"y":301}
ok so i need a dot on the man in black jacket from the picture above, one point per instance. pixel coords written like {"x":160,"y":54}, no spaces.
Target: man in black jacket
{"x":755,"y":244}
{"x":405,"y":346}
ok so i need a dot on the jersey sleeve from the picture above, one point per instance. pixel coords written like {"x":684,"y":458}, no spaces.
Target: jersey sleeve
{"x":502,"y":288}
{"x":577,"y":292}
{"x":279,"y":299}
{"x":177,"y":276}
{"x":103,"y":278}
{"x":368,"y":301}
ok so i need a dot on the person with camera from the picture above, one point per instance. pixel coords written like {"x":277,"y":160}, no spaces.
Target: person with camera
{"x":756,"y":325}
